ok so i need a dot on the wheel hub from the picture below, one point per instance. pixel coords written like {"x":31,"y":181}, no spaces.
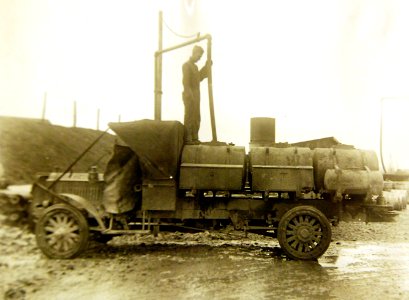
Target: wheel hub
{"x":304,"y":234}
{"x":61,"y":232}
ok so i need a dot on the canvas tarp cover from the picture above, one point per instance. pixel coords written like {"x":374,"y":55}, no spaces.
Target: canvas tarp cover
{"x":157,"y":144}
{"x":121,"y":176}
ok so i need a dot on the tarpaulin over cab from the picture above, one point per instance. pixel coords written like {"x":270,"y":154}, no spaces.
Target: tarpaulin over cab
{"x":152,"y":152}
{"x":157,"y":144}
{"x":121,"y":176}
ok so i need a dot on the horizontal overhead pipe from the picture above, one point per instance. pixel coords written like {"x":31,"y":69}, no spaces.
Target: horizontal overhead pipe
{"x":196,"y":40}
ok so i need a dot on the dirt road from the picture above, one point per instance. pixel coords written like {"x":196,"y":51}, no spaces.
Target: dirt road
{"x":364,"y":261}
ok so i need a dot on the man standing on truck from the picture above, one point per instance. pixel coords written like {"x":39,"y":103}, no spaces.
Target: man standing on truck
{"x":191,"y":95}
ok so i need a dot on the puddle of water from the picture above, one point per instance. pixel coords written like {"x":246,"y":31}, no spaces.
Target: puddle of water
{"x":366,"y":254}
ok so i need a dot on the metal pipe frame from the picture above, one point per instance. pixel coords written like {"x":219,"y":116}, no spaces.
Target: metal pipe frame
{"x":158,"y":76}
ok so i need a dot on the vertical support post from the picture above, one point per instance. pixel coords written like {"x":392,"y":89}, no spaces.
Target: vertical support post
{"x":381,"y":137}
{"x":98,"y":114}
{"x":143,"y":219}
{"x":210,"y":88}
{"x":44,"y":106}
{"x":158,"y":72}
{"x":75,"y":115}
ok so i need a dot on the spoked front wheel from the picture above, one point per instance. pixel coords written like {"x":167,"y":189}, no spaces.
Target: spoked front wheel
{"x":62,"y":232}
{"x":304,"y":233}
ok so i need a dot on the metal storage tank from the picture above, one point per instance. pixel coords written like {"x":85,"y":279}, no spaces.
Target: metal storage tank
{"x":281,"y":169}
{"x":205,"y":167}
{"x":356,"y":169}
{"x":354,"y":182}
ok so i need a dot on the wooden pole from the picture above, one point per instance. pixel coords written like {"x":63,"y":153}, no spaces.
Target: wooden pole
{"x":158,"y":72}
{"x":44,"y":106}
{"x":75,"y":114}
{"x":381,"y":137}
{"x":98,"y":113}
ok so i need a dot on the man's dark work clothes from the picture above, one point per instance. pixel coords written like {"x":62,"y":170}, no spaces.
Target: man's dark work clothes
{"x":191,"y":94}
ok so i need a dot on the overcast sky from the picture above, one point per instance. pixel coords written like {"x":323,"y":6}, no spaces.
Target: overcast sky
{"x":320,"y":67}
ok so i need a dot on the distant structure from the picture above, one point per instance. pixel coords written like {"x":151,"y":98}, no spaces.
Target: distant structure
{"x":328,"y":142}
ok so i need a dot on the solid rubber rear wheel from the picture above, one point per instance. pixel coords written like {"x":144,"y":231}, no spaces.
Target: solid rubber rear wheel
{"x":62,"y":232}
{"x":304,"y":233}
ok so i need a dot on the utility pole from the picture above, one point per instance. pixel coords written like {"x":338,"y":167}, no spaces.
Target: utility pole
{"x":381,"y":137}
{"x":75,"y":114}
{"x":98,"y":112}
{"x":44,"y":106}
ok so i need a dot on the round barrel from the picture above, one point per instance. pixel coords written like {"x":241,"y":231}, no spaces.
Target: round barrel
{"x":354,"y":182}
{"x":262,"y":131}
{"x":345,"y":159}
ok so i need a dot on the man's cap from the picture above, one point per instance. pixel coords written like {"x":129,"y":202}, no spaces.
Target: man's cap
{"x":197,"y":48}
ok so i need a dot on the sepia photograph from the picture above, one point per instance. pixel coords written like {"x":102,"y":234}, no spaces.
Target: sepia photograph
{"x":204,"y":149}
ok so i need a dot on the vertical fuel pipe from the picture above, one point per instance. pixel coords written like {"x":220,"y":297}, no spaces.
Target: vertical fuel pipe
{"x":210,"y":87}
{"x":158,"y":73}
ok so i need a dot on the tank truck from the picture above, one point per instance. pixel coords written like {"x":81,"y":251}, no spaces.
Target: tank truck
{"x":154,"y":181}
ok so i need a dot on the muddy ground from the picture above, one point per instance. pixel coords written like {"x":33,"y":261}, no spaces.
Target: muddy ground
{"x":364,"y":261}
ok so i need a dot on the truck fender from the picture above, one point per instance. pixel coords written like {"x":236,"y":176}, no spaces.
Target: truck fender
{"x":83,"y":204}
